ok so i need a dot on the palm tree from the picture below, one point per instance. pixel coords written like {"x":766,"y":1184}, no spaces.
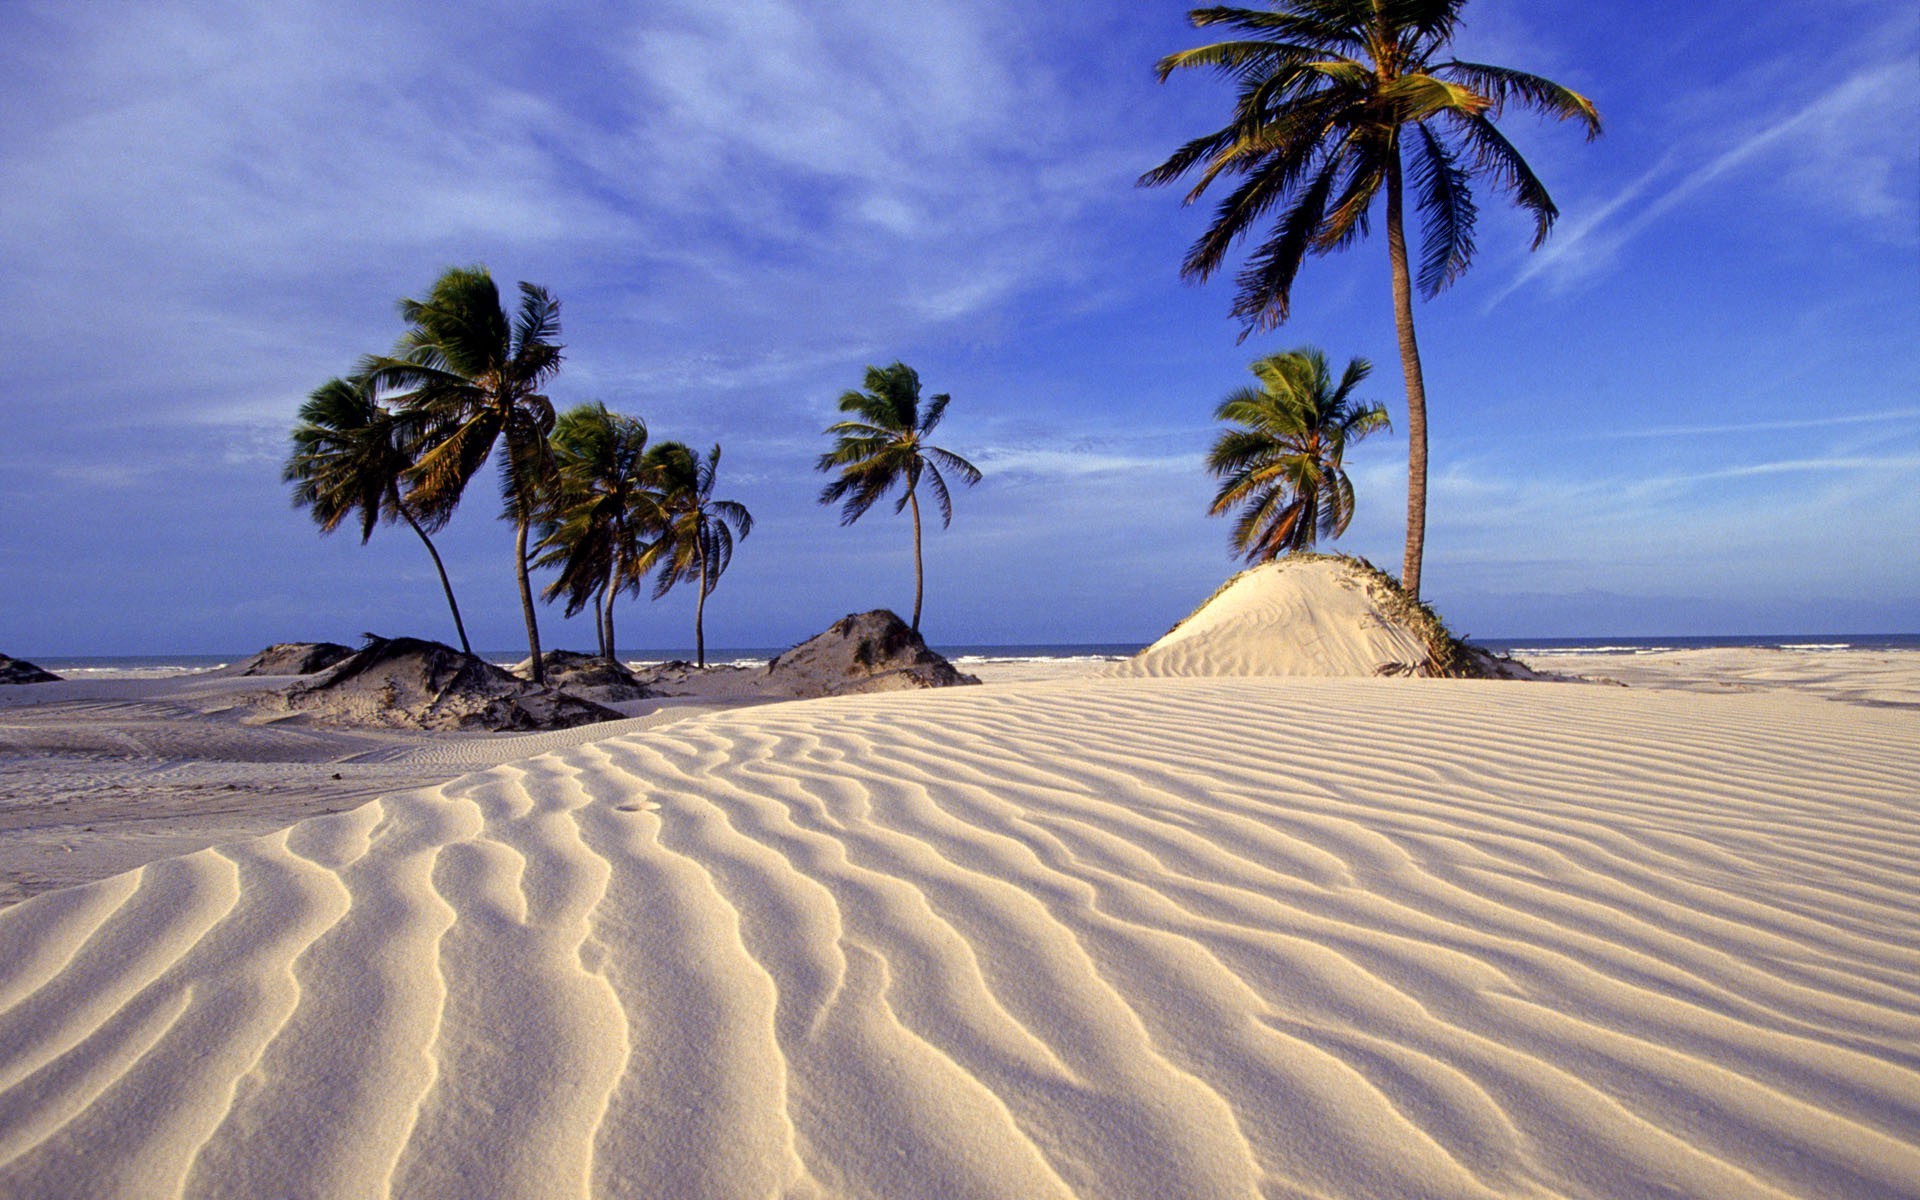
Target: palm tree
{"x":1335,"y":97}
{"x":696,"y":532}
{"x":469,"y":378}
{"x":886,"y":446}
{"x":1282,"y":467}
{"x":348,"y":458}
{"x":598,"y":512}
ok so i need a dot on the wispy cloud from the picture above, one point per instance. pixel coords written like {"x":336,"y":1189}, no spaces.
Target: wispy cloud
{"x":1825,"y":422}
{"x":1838,"y":148}
{"x":1795,"y":466}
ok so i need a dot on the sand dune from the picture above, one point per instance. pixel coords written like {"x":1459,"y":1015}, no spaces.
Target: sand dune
{"x":1146,"y":938}
{"x":1311,"y":615}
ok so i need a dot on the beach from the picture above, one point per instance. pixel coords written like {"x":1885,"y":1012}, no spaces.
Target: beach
{"x":1061,"y":934}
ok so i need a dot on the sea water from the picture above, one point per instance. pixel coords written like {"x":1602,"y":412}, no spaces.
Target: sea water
{"x":156,"y":666}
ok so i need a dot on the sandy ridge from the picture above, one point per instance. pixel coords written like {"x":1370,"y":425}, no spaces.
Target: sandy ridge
{"x":1135,"y":938}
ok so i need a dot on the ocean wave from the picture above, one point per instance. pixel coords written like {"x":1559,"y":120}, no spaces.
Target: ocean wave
{"x":153,"y":671}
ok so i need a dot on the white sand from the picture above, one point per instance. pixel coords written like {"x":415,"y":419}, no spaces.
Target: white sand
{"x":1887,"y":678}
{"x":99,"y":776}
{"x":1155,"y":938}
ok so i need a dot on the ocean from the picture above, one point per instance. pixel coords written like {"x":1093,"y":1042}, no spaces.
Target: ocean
{"x":160,"y":665}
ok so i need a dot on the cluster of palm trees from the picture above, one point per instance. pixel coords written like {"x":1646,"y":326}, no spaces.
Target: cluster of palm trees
{"x":402,"y":438}
{"x":1340,"y":104}
{"x":404,"y":435}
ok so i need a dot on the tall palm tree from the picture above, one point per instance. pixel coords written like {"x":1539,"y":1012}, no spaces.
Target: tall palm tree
{"x":348,"y":458}
{"x":1338,"y":100}
{"x":598,"y":512}
{"x":696,"y":532}
{"x":1283,"y":465}
{"x":469,"y":378}
{"x":886,"y":446}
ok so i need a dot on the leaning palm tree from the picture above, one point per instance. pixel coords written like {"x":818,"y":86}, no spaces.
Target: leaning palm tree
{"x":598,"y":513}
{"x":348,"y":458}
{"x":696,"y":532}
{"x":1283,"y":465}
{"x":469,"y":379}
{"x":886,"y":446}
{"x":1338,"y":101}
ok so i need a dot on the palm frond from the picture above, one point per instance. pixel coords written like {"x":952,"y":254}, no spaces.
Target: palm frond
{"x":1495,"y":156}
{"x":1265,"y":295}
{"x":1447,"y":213}
{"x":1307,"y":24}
{"x":968,"y":473}
{"x":935,"y":409}
{"x":1503,"y":84}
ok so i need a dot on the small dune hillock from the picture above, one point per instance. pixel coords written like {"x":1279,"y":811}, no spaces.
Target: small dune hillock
{"x":19,"y":670}
{"x":863,"y":652}
{"x":292,"y":658}
{"x":1313,"y":614}
{"x":407,"y":683}
{"x":588,"y":676}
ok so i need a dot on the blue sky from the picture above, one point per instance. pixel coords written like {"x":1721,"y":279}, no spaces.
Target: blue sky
{"x":1697,"y":410}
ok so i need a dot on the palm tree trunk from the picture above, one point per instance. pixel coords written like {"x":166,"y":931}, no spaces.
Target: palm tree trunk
{"x":606,"y":618}
{"x":1416,"y":385}
{"x":919,"y":578}
{"x":526,"y":598}
{"x":459,"y":626}
{"x":700,"y":614}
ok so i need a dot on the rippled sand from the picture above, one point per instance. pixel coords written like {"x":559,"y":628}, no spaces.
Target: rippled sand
{"x":1155,"y":938}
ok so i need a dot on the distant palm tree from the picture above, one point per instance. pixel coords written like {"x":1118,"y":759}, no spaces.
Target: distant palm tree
{"x":348,"y":458}
{"x":695,"y":539}
{"x":1334,"y":96}
{"x":599,"y":512}
{"x":886,"y":447}
{"x":468,"y":379}
{"x":1283,"y":466}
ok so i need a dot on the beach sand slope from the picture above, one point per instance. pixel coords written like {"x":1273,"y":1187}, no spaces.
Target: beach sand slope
{"x":1153,"y":938}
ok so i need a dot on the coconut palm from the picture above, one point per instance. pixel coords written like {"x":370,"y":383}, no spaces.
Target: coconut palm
{"x":1339,"y":100}
{"x":1283,"y":465}
{"x":694,"y":542}
{"x":469,"y":378}
{"x":886,"y":447}
{"x":348,"y":458}
{"x":598,"y":513}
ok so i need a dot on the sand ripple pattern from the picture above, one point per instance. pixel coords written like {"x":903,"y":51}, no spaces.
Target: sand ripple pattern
{"x":1159,"y":938}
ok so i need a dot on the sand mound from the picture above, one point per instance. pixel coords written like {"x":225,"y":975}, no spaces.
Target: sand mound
{"x":1315,"y":615}
{"x":407,"y":683}
{"x":19,"y":670}
{"x":588,"y":676}
{"x":291,"y":658}
{"x":1475,"y":940}
{"x":864,"y":652}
